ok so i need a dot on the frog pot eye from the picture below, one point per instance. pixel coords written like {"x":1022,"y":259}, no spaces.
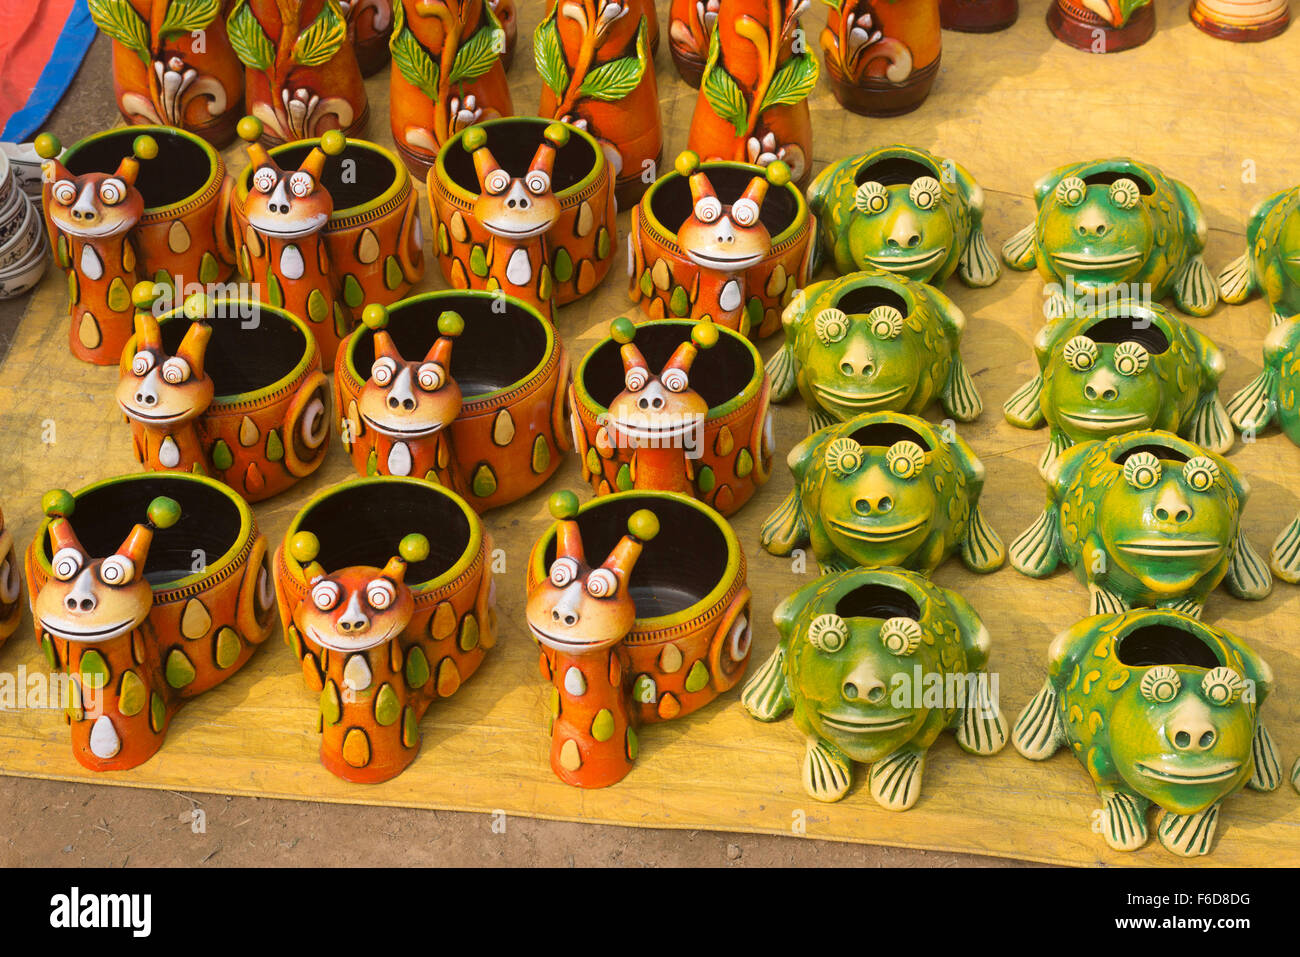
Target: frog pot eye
{"x":708,"y":209}
{"x":871,"y":198}
{"x":675,"y":380}
{"x":905,"y":459}
{"x":431,"y":377}
{"x":64,"y":192}
{"x":831,"y":325}
{"x":112,"y":191}
{"x":67,"y":562}
{"x":383,"y":370}
{"x":925,"y":192}
{"x":1131,"y":358}
{"x":1222,"y":686}
{"x":301,"y":184}
{"x":175,"y":370}
{"x":380,"y":594}
{"x":1142,"y":470}
{"x":116,"y":570}
{"x":1070,"y":191}
{"x":886,"y":322}
{"x":1200,"y":473}
{"x":901,"y":636}
{"x":844,"y":457}
{"x":497,"y":182}
{"x":264,"y":179}
{"x":1081,"y":353}
{"x":601,"y":583}
{"x":142,"y":363}
{"x":563,"y":571}
{"x":1160,"y":684}
{"x":1125,"y":194}
{"x":538,"y":182}
{"x":636,"y":378}
{"x":828,"y":633}
{"x":325,"y":595}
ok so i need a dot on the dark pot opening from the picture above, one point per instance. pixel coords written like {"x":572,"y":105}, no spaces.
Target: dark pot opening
{"x":676,"y":570}
{"x":496,"y":350}
{"x":671,"y":201}
{"x":1109,"y":176}
{"x":370,"y":173}
{"x":1165,"y":645}
{"x":885,"y":434}
{"x":209,"y":523}
{"x":1121,"y":329}
{"x":181,"y":168}
{"x":878,"y":601}
{"x":1159,"y":451}
{"x":514,"y":144}
{"x":893,"y":171}
{"x":362,"y":524}
{"x":718,"y":374}
{"x":862,"y":299}
{"x":243,"y":360}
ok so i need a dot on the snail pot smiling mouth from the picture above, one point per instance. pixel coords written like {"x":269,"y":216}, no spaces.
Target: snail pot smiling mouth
{"x":724,"y":263}
{"x":60,"y":630}
{"x":560,"y":644}
{"x":281,"y":229}
{"x":397,"y":432}
{"x":508,"y":233}
{"x":335,"y":643}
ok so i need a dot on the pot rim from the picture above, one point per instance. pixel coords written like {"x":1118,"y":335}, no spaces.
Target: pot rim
{"x":874,"y":278}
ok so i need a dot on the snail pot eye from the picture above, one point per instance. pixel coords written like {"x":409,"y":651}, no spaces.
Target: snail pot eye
{"x":112,"y":192}
{"x":64,"y":192}
{"x":301,"y":184}
{"x":563,"y":571}
{"x":66,"y":563}
{"x":601,"y":583}
{"x":325,"y":595}
{"x":708,"y":209}
{"x":497,"y":182}
{"x":675,"y":380}
{"x":380,"y":594}
{"x":745,"y":212}
{"x":116,"y":570}
{"x":175,"y":371}
{"x":431,"y":377}
{"x":383,"y":370}
{"x":636,"y":379}
{"x":142,"y":363}
{"x":538,"y":182}
{"x":264,"y":179}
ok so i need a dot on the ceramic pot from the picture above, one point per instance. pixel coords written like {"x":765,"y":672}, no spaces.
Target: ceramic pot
{"x":870,"y":341}
{"x":753,"y":105}
{"x":905,"y":210}
{"x":162,"y":592}
{"x":1116,"y":228}
{"x":1144,"y":519}
{"x":504,"y":11}
{"x":370,"y":24}
{"x":978,"y":16}
{"x":301,"y":77}
{"x":387,"y":601}
{"x":1243,"y":21}
{"x":485,"y":379}
{"x":883,"y":488}
{"x":21,"y":234}
{"x":1271,"y":262}
{"x":659,"y":630}
{"x":674,"y":406}
{"x":882,"y":58}
{"x":856,"y":653}
{"x":446,"y":75}
{"x":173,"y":64}
{"x":228,"y":388}
{"x":690,"y":31}
{"x":11,"y":584}
{"x":1174,"y":722}
{"x":681,"y":264}
{"x":1127,"y":24}
{"x":598,"y":74}
{"x":1120,"y":368}
{"x":23,"y":276}
{"x":579,"y":245}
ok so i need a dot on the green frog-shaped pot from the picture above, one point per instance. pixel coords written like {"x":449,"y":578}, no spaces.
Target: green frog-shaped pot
{"x":1115,"y":227}
{"x":885,"y":488}
{"x":876,"y":663}
{"x":1160,"y":709}
{"x":905,"y":210}
{"x":1120,"y":368}
{"x":873,"y":340}
{"x":1271,"y":262}
{"x":1144,"y":519}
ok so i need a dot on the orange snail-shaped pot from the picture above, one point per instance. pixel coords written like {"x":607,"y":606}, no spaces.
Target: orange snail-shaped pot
{"x":141,"y":617}
{"x":388,"y":602}
{"x":11,"y":584}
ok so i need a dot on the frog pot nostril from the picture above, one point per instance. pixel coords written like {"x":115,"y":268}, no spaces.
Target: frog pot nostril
{"x":1183,"y":740}
{"x":850,"y":691}
{"x":885,"y":504}
{"x":1207,"y":740}
{"x":876,"y":694}
{"x":862,"y":506}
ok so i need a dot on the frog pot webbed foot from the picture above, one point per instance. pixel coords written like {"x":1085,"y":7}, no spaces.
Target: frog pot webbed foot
{"x":1037,"y":551}
{"x":981,"y":729}
{"x":1286,"y":553}
{"x":982,"y":549}
{"x":782,"y":372}
{"x":1196,"y":291}
{"x":765,"y":696}
{"x":827,"y":771}
{"x":834,"y":564}
{"x":1253,"y":408}
{"x":786,"y":528}
{"x":819,"y":419}
{"x":978,"y":266}
{"x":1103,"y":601}
{"x":1186,"y":606}
{"x":1057,"y":443}
{"x":1038,"y":733}
{"x":1237,"y":281}
{"x":896,"y":779}
{"x":1268,"y":764}
{"x":1189,"y":835}
{"x":1023,"y":409}
{"x":1248,"y":577}
{"x":1210,"y":427}
{"x":1295,"y":775}
{"x":959,"y":396}
{"x":1018,"y":252}
{"x":1121,"y":820}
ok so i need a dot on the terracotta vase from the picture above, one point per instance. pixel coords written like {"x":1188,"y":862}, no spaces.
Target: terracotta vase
{"x":370,"y":25}
{"x":301,"y":77}
{"x":674,"y":406}
{"x":753,"y":105}
{"x":228,"y":388}
{"x":684,"y":261}
{"x":658,"y":630}
{"x":11,"y":584}
{"x":504,"y":10}
{"x":1243,"y":21}
{"x":460,"y":388}
{"x":146,"y":590}
{"x":387,"y":600}
{"x":978,"y":16}
{"x":690,"y":31}
{"x":598,"y":74}
{"x":882,"y":56}
{"x":173,"y":64}
{"x":1271,"y":262}
{"x":1124,"y":24}
{"x":177,"y":202}
{"x":578,"y":245}
{"x":447,"y":74}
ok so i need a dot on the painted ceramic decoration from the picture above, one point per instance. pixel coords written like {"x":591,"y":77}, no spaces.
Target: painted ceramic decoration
{"x":690,"y":34}
{"x":674,"y":406}
{"x":578,"y":244}
{"x":173,"y":64}
{"x":11,"y":584}
{"x":208,"y":391}
{"x":885,"y":488}
{"x":447,"y":74}
{"x":370,"y":24}
{"x":1116,"y":227}
{"x":1144,"y":519}
{"x":1173,"y":721}
{"x":1102,"y":26}
{"x":857,"y":653}
{"x":504,"y":11}
{"x":24,"y":252}
{"x":753,"y":104}
{"x":873,"y":341}
{"x":1271,"y":262}
{"x":728,"y":242}
{"x":978,"y":16}
{"x":302,"y":78}
{"x":882,"y":56}
{"x":597,"y":73}
{"x":388,"y":602}
{"x":656,"y":631}
{"x":1241,"y":20}
{"x":460,"y":388}
{"x":1122,"y":367}
{"x":161,"y":592}
{"x":373,"y":238}
{"x":905,"y":210}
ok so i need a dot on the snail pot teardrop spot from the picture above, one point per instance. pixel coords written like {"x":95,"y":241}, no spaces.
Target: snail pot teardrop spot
{"x":882,"y":57}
